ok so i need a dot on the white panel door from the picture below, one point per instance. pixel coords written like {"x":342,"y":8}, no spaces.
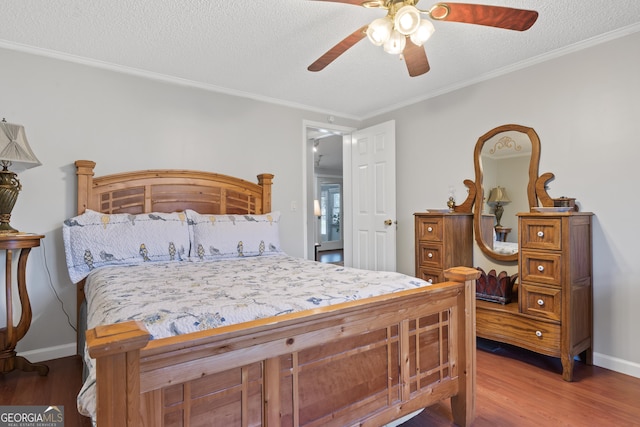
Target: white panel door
{"x":374,"y":197}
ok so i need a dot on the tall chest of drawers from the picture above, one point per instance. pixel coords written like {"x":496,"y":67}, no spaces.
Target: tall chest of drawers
{"x":553,"y":313}
{"x":443,"y":240}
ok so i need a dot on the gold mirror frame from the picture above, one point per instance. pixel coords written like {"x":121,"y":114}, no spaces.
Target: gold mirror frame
{"x":534,"y":184}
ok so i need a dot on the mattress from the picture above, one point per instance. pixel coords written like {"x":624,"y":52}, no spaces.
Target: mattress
{"x":174,"y":298}
{"x":506,"y":248}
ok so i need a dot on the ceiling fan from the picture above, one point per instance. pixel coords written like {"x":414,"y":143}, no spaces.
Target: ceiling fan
{"x":403,"y":31}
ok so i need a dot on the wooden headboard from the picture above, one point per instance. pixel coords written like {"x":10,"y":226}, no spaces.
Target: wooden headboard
{"x":171,"y":190}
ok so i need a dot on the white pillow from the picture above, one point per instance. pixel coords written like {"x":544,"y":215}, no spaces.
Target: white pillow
{"x":232,"y":236}
{"x":94,"y":239}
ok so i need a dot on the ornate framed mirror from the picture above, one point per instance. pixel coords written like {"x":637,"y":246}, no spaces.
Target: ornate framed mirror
{"x":506,"y":163}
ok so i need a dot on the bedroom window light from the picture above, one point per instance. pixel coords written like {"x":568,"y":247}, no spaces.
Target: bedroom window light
{"x":15,"y":153}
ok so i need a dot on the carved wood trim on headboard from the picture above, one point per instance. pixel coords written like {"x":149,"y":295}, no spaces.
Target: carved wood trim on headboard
{"x":170,"y":190}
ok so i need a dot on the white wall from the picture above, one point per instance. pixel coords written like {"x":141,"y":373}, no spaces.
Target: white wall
{"x":585,"y":107}
{"x":123,"y":122}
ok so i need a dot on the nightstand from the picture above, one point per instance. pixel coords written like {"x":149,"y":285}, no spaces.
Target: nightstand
{"x":502,"y":233}
{"x":10,"y":335}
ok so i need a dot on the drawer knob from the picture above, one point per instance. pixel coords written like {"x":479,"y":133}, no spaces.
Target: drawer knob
{"x":540,"y":268}
{"x":539,"y":334}
{"x":429,"y":229}
{"x":429,"y":255}
{"x":540,"y":233}
{"x":540,"y":302}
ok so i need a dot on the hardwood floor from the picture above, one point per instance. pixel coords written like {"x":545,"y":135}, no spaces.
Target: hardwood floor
{"x":59,"y":388}
{"x":514,"y":388}
{"x":333,"y":257}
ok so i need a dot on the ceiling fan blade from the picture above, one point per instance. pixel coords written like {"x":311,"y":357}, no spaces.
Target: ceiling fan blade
{"x":416,"y":59}
{"x":479,"y":14}
{"x":338,"y":49}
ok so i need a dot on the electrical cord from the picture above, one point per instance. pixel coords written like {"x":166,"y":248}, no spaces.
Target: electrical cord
{"x":46,"y":266}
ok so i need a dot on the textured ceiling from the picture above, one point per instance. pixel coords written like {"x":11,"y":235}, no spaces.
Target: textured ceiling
{"x":261,"y":48}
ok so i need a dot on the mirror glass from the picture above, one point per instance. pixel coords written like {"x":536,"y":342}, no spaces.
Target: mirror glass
{"x":506,"y":161}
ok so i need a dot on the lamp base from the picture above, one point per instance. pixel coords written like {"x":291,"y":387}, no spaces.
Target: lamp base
{"x":9,"y":189}
{"x":6,"y":228}
{"x":498,"y":212}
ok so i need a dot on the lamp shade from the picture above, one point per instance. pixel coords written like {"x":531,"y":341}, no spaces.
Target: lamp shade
{"x":14,"y":147}
{"x":15,"y":153}
{"x":396,"y":43}
{"x":498,"y":195}
{"x":422,"y":33}
{"x":407,"y":20}
{"x":379,"y":31}
{"x":316,"y":208}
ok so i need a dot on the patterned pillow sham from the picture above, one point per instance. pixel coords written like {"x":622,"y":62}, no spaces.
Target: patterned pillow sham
{"x":232,"y":236}
{"x":94,"y":239}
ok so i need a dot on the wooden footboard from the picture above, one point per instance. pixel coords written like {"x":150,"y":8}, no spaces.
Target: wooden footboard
{"x":366,"y":363}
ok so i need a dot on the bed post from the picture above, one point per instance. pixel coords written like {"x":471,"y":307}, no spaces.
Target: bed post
{"x":463,"y":405}
{"x":84,"y":170}
{"x":265,"y":180}
{"x":116,"y":350}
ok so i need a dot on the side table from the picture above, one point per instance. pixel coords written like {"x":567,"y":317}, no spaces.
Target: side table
{"x":502,"y":233}
{"x":10,"y":335}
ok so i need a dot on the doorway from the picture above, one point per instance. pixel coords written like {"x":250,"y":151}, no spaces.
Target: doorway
{"x":367,"y":170}
{"x":326,"y":183}
{"x":330,"y":198}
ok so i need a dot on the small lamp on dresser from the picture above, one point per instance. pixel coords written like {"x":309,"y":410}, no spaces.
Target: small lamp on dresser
{"x":15,"y":153}
{"x":498,"y":197}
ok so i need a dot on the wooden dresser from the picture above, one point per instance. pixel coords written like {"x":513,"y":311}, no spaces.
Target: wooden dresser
{"x":553,"y":312}
{"x":443,"y":240}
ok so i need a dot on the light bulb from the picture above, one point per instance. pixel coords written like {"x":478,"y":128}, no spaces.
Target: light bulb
{"x":407,"y":20}
{"x":422,"y":34}
{"x":379,"y":31}
{"x":395,"y":44}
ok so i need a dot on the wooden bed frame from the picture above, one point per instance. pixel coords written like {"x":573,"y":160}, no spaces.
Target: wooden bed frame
{"x":364,"y":363}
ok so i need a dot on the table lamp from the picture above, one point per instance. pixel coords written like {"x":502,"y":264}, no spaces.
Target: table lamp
{"x":498,"y":197}
{"x":16,"y":154}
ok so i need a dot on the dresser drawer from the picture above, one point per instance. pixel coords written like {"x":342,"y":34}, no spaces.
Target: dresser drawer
{"x":430,"y":229}
{"x":541,"y":267}
{"x":516,"y":329}
{"x":431,"y":275}
{"x":541,"y":233}
{"x":541,"y":301}
{"x":430,"y":255}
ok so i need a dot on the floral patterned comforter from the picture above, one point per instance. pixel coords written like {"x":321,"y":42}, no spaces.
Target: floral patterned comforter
{"x":174,"y":298}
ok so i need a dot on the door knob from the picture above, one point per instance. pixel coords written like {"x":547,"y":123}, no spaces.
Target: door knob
{"x":389,"y":222}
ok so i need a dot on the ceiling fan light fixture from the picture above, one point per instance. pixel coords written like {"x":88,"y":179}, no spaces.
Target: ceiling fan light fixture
{"x":379,"y":31}
{"x":373,"y":4}
{"x":407,"y":19}
{"x":423,"y":33}
{"x":396,"y":43}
